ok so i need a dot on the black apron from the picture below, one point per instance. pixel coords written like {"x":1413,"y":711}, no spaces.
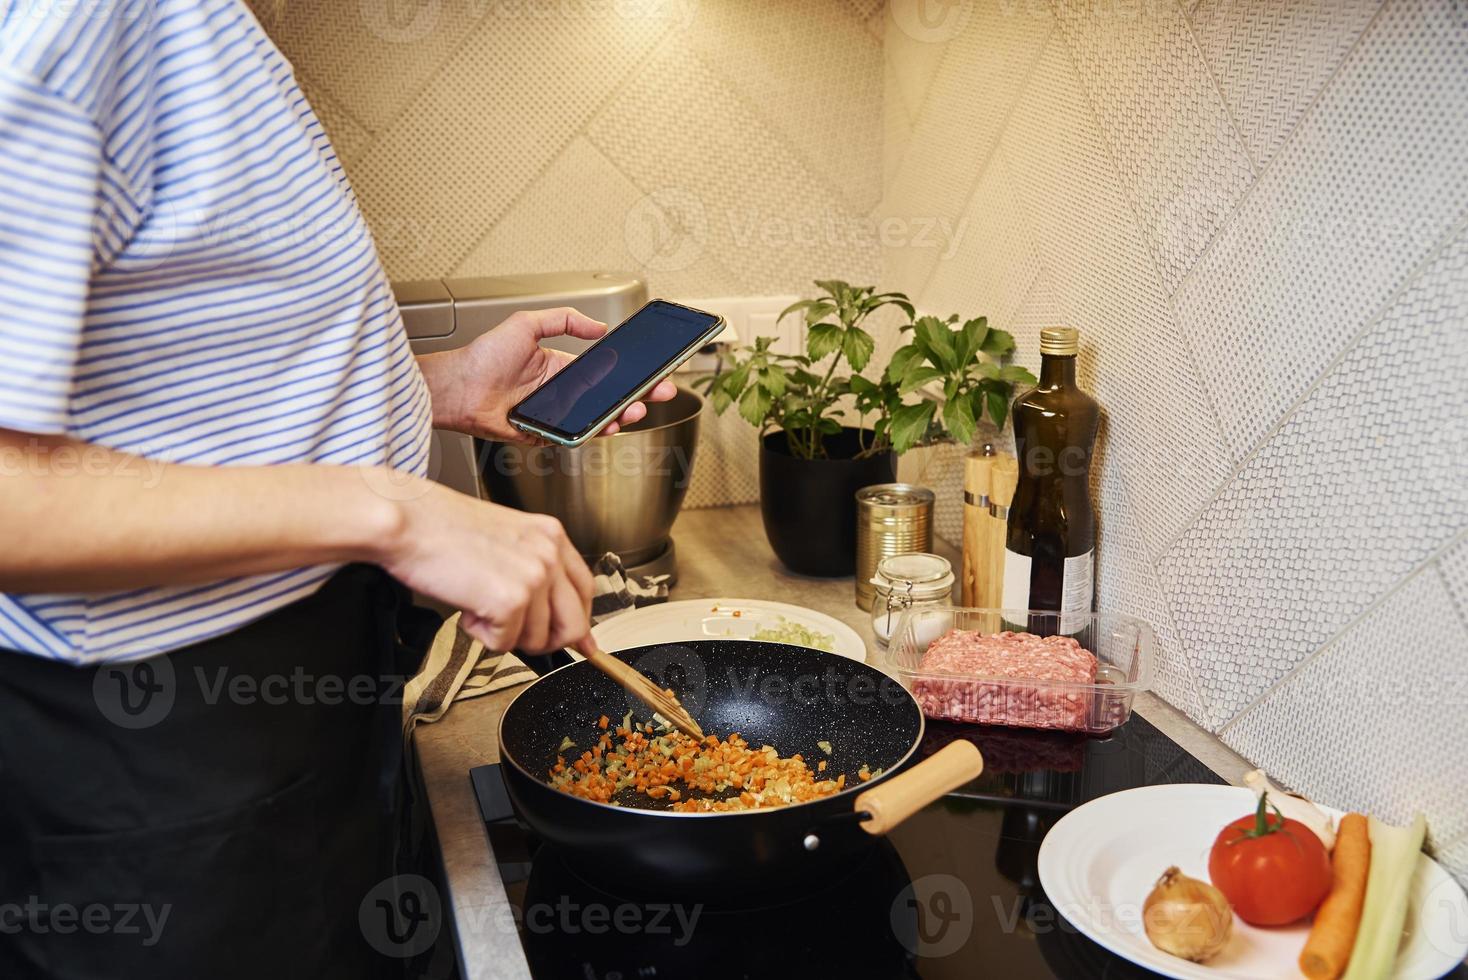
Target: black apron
{"x":226,"y":810}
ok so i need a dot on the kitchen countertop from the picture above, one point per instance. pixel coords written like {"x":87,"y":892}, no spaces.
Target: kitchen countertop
{"x":722,"y":552}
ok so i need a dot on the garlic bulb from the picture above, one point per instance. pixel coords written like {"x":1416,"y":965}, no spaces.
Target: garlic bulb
{"x":1187,"y":917}
{"x":1293,"y":807}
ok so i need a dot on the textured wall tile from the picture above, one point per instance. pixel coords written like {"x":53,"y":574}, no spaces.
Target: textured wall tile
{"x":993,"y":261}
{"x":1386,"y":699}
{"x":374,"y":55}
{"x":1272,"y":59}
{"x":914,"y":40}
{"x":1357,"y":488}
{"x":1454,"y":856}
{"x":348,"y":136}
{"x":816,"y":81}
{"x":503,"y":107}
{"x":1126,"y":582}
{"x":1133,"y":357}
{"x":608,"y":224}
{"x":1453,"y":566}
{"x":1179,"y":158}
{"x":982,"y":70}
{"x":1374,"y":175}
{"x":744,"y":194}
{"x":726,"y":467}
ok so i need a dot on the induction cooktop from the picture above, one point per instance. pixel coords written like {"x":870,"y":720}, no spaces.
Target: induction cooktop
{"x":952,"y":892}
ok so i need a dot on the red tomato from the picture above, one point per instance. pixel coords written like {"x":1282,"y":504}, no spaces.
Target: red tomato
{"x":1272,"y":870}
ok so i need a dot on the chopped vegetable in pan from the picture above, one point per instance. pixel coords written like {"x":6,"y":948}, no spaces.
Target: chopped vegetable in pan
{"x":715,"y":775}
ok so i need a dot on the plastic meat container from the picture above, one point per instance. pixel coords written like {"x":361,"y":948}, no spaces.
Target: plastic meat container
{"x":1124,"y":647}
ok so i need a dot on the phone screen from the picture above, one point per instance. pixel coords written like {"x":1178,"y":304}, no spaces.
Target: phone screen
{"x":628,"y":357}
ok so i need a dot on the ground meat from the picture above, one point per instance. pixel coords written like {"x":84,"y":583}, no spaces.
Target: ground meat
{"x":1023,"y":656}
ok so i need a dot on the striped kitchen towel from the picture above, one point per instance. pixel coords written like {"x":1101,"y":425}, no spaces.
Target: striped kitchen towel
{"x":458,"y":667}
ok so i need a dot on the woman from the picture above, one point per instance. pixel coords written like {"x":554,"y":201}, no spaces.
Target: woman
{"x":214,"y":440}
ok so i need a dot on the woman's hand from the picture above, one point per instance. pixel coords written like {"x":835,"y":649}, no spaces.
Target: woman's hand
{"x":516,"y":576}
{"x":474,"y":387}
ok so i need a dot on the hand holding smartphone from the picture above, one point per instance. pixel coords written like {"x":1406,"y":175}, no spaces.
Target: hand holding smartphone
{"x":614,"y":372}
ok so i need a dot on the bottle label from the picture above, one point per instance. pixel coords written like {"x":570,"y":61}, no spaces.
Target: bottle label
{"x":1076,"y":587}
{"x":1016,"y":580}
{"x":1075,"y":592}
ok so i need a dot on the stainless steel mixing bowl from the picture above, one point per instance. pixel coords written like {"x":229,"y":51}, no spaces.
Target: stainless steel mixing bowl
{"x":614,"y":493}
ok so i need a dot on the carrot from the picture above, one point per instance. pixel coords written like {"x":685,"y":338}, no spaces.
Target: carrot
{"x":603,"y":722}
{"x":1328,"y":949}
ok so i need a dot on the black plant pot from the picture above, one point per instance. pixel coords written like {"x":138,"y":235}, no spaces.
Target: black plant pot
{"x":809,"y":505}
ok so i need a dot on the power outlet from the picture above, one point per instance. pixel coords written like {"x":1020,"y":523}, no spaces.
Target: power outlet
{"x":748,"y":317}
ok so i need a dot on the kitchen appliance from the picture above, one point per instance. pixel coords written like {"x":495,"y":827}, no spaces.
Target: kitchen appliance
{"x":616,"y":493}
{"x":952,"y":892}
{"x":891,"y":519}
{"x":444,"y":314}
{"x":772,"y":694}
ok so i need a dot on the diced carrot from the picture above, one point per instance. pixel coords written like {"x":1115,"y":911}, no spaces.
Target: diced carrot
{"x":602,"y":722}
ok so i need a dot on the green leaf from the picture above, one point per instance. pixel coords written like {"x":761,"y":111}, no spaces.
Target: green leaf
{"x":1014,"y":374}
{"x":999,"y":343}
{"x":829,"y":427}
{"x":721,"y":399}
{"x":858,"y":346}
{"x":901,"y":358}
{"x":822,"y":340}
{"x":773,"y":380}
{"x":998,"y":408}
{"x":958,"y":417}
{"x":834,"y":288}
{"x":971,"y":339}
{"x":936,"y":340}
{"x":754,"y":405}
{"x":916,"y":376}
{"x":910,"y":424}
{"x":798,"y":305}
{"x":862,"y":386}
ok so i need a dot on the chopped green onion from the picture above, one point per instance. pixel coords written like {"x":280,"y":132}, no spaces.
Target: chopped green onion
{"x":566,"y":743}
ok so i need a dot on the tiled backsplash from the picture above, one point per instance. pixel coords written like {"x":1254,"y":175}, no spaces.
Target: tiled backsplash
{"x":1256,"y":213}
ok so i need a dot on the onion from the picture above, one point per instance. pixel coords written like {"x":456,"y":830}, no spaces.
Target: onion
{"x":1187,"y":917}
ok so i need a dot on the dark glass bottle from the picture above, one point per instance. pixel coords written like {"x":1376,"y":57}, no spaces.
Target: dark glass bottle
{"x":1049,"y":554}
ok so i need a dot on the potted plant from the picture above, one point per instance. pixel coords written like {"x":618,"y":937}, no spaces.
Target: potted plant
{"x":811,"y":461}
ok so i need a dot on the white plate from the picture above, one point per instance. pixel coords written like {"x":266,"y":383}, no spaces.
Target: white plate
{"x":1099,"y":862}
{"x":718,"y":619}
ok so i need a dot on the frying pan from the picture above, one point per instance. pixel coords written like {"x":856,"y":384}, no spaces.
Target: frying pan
{"x":771,"y":693}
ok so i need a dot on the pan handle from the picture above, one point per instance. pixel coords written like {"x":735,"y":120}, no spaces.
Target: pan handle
{"x":886,"y":805}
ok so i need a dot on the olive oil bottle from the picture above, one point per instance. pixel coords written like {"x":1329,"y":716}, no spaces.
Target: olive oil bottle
{"x":1049,"y":553}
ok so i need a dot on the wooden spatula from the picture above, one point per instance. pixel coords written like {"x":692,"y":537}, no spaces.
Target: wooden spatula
{"x":640,"y":686}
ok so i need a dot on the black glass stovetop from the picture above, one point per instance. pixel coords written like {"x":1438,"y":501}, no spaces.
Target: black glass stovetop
{"x":952,"y":892}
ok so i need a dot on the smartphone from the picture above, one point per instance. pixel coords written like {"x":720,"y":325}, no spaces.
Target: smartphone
{"x":614,"y":372}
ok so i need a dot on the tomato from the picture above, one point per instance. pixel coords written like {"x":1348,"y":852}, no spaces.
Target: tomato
{"x":1272,"y":870}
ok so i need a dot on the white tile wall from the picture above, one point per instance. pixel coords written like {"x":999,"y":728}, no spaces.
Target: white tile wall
{"x":1255,"y":212}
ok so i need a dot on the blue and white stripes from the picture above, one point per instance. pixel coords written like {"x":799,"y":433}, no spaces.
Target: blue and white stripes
{"x":184,"y":275}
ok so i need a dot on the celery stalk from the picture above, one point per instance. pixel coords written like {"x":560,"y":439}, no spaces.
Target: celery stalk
{"x":1394,"y":857}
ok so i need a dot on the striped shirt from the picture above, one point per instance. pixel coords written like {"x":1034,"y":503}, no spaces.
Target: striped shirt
{"x":184,"y":276}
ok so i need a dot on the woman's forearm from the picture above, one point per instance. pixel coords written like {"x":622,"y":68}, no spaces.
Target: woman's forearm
{"x":78,"y":517}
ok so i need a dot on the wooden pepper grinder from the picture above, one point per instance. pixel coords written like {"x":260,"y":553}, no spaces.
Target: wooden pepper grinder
{"x":976,"y":559}
{"x":1003,"y":478}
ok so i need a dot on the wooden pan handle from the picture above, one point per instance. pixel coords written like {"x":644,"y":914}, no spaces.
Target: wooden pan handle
{"x":905,"y":794}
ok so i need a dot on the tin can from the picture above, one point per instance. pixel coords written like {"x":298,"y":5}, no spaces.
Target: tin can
{"x":891,"y":519}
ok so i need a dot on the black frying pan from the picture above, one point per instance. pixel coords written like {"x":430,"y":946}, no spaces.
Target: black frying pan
{"x":771,"y":693}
